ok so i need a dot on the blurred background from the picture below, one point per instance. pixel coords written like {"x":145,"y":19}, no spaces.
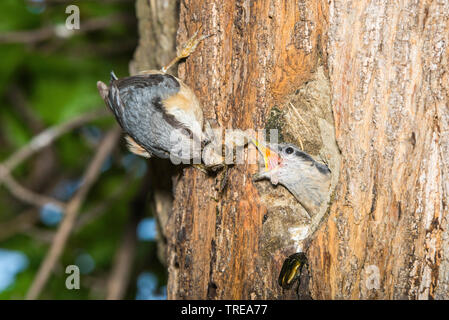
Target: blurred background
{"x":56,"y":161}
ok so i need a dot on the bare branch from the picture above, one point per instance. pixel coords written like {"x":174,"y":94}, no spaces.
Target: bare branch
{"x":18,"y":100}
{"x":28,"y":196}
{"x":123,"y":261}
{"x":100,"y":208}
{"x":39,"y":142}
{"x":23,"y":223}
{"x":20,"y":223}
{"x":39,"y":234}
{"x":47,"y":137}
{"x":119,"y":279}
{"x":72,"y":1}
{"x":72,"y":210}
{"x":60,"y":31}
{"x":44,"y":164}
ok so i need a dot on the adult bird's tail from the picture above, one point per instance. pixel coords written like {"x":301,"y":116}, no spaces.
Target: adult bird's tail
{"x":113,"y":100}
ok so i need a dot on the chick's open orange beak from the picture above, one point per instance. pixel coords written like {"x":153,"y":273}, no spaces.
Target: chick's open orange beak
{"x":271,"y":158}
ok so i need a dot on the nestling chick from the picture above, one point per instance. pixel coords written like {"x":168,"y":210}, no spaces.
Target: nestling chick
{"x":307,"y":179}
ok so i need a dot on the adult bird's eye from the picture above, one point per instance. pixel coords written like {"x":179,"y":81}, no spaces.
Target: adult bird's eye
{"x":289,"y":150}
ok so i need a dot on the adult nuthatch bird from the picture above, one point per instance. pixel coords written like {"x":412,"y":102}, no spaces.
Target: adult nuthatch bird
{"x":161,"y":115}
{"x":307,"y":179}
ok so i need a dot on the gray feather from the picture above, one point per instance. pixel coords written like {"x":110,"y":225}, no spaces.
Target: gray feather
{"x":137,"y":104}
{"x":307,"y":179}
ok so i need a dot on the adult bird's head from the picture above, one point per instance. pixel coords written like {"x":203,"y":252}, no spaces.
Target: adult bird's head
{"x":285,"y":164}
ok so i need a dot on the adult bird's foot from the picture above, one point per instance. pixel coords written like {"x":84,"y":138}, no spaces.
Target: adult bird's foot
{"x":186,"y":49}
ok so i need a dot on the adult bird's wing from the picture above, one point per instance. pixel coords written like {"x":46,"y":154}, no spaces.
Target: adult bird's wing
{"x":138,"y":104}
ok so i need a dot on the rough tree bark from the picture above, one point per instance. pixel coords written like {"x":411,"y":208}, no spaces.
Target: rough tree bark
{"x":370,"y":77}
{"x":388,"y":67}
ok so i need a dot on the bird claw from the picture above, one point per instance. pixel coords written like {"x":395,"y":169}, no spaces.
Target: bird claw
{"x":187,"y":48}
{"x":207,"y":169}
{"x":190,"y":46}
{"x":200,"y":167}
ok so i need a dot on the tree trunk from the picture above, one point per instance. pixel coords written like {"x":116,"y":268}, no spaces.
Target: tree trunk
{"x":387,"y":234}
{"x":370,"y":77}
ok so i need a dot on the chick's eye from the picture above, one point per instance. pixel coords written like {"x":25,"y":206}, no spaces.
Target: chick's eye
{"x":289,"y":150}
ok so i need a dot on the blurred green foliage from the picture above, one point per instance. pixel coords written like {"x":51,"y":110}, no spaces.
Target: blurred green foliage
{"x":57,"y":78}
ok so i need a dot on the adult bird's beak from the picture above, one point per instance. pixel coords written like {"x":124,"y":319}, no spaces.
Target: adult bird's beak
{"x":272,"y":160}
